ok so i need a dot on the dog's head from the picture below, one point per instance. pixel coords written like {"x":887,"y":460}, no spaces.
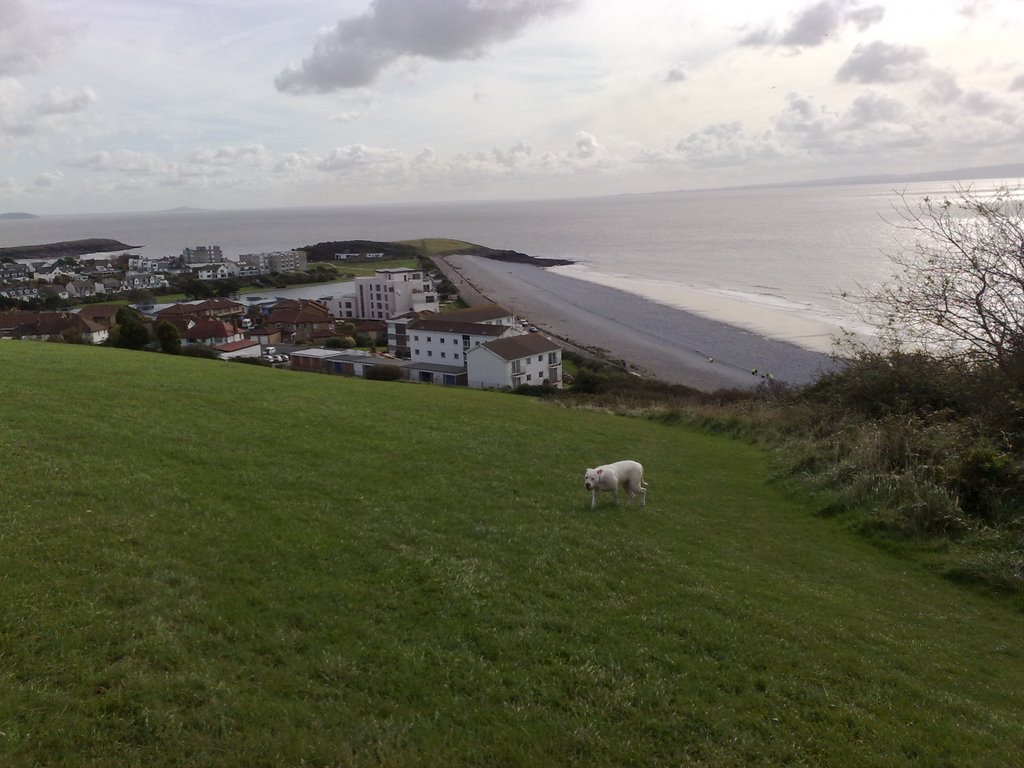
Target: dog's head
{"x":591,"y":478}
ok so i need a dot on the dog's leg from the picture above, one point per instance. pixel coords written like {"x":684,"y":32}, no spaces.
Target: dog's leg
{"x":593,"y":499}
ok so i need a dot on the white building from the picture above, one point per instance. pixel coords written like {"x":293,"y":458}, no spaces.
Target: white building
{"x":202,"y":254}
{"x":277,"y":261}
{"x":212,"y":272}
{"x":513,"y":361}
{"x":389,"y":292}
{"x":447,"y":342}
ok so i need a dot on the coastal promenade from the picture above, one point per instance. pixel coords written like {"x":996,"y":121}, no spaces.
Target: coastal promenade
{"x":660,"y":341}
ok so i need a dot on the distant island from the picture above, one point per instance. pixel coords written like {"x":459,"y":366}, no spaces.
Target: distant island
{"x":1006,"y":172}
{"x":73,"y":248}
{"x":17,"y":215}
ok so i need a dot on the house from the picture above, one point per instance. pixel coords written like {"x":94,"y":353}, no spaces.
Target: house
{"x":513,"y":361}
{"x":487,"y":314}
{"x":81,"y":289}
{"x":210,"y":332}
{"x":104,"y":315}
{"x":437,"y":339}
{"x":212,"y":272}
{"x":265,"y":335}
{"x":56,"y":290}
{"x":47,"y":325}
{"x":220,"y":308}
{"x":298,"y":319}
{"x":216,"y":309}
{"x":20,"y":292}
{"x":14,"y":273}
{"x":12,"y":319}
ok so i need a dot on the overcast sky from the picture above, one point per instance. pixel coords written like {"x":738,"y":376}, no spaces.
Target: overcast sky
{"x":119,"y":105}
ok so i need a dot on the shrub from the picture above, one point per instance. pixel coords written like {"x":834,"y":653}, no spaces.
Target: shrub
{"x":383,"y":373}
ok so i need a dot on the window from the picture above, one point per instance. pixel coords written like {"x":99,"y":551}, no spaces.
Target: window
{"x":430,"y":353}
{"x":456,"y":355}
{"x":540,"y":358}
{"x":442,"y":354}
{"x":552,"y":358}
{"x":517,"y":366}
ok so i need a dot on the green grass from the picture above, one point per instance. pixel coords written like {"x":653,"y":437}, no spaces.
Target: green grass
{"x":439,"y":246}
{"x":213,"y":564}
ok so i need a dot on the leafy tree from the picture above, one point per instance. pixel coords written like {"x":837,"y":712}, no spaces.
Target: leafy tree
{"x":958,"y":285}
{"x":196,"y":289}
{"x":132,"y":332}
{"x":168,"y":338}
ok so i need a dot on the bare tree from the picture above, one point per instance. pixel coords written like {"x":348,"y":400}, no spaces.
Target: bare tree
{"x":957,"y":289}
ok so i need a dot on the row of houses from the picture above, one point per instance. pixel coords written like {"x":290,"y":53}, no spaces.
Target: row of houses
{"x":484,"y":347}
{"x":86,"y":279}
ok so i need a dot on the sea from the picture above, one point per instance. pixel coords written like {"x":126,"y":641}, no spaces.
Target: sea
{"x":782,"y":261}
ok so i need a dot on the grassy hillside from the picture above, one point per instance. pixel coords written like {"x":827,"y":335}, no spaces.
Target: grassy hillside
{"x":216,"y":564}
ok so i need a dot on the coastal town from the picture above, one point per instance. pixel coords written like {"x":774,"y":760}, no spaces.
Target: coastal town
{"x":395,"y":324}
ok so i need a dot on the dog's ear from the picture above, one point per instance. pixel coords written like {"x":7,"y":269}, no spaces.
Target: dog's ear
{"x":600,"y":472}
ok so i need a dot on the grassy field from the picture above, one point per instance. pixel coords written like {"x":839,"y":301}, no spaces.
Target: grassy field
{"x":209,"y":564}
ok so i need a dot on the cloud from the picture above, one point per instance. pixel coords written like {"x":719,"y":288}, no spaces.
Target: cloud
{"x":1018,"y":83}
{"x":25,"y":39}
{"x":873,"y":123}
{"x":817,"y":24}
{"x":57,"y":109}
{"x":871,"y":108}
{"x":725,"y":144}
{"x":252,"y":153}
{"x":880,"y":62}
{"x":58,"y":101}
{"x":677,"y":74}
{"x":974,"y":8}
{"x":49,"y":180}
{"x":358,"y":49}
{"x":360,"y":158}
{"x":122,"y":161}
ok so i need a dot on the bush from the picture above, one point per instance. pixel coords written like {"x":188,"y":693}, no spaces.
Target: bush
{"x":200,"y":350}
{"x":383,"y":373}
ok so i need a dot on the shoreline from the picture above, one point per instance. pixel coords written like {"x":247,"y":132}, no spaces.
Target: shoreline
{"x":661,"y":341}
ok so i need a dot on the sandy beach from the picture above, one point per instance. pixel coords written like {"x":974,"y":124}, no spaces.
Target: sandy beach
{"x":661,"y":341}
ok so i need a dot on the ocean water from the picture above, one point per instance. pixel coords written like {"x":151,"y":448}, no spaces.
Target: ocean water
{"x":777,"y":260}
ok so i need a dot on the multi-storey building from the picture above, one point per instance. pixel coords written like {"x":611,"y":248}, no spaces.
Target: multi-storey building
{"x":277,"y":261}
{"x":388,"y":293}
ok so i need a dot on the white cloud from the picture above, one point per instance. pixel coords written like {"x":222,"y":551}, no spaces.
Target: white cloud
{"x":49,"y":180}
{"x":361,"y":159}
{"x":358,"y":49}
{"x":26,"y":39}
{"x":817,"y":24}
{"x":123,"y":161}
{"x":248,"y":153}
{"x":880,"y":62}
{"x":726,"y":144}
{"x":59,"y":101}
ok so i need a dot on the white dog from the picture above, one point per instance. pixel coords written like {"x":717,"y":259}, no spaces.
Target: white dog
{"x":628,"y":474}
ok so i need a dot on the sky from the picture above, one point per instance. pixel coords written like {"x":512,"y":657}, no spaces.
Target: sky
{"x":129,"y":105}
